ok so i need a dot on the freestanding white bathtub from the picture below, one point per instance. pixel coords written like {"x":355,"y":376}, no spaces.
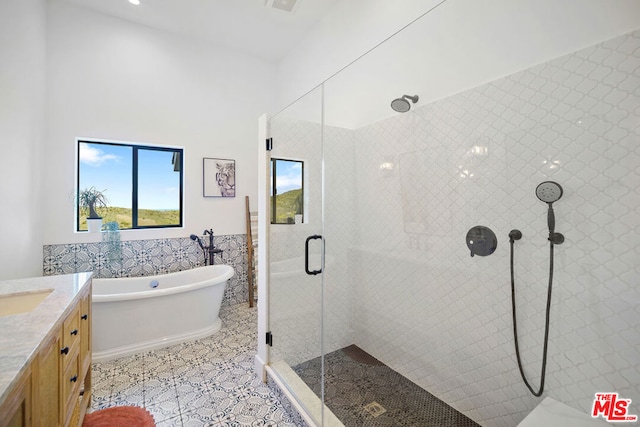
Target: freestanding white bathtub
{"x":136,"y":314}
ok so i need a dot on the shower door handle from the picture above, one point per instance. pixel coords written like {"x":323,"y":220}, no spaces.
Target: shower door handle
{"x":306,"y":255}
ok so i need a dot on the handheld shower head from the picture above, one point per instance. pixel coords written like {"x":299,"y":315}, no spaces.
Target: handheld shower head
{"x":401,"y":105}
{"x":549,"y":191}
{"x":197,"y":239}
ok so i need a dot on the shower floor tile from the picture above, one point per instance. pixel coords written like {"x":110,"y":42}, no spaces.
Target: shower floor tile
{"x":362,"y":391}
{"x":206,"y":382}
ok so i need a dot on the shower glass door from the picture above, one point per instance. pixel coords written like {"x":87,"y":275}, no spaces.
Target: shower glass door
{"x":295,"y":245}
{"x":379,"y":213}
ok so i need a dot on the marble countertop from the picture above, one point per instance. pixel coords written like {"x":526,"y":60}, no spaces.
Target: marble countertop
{"x":22,"y":334}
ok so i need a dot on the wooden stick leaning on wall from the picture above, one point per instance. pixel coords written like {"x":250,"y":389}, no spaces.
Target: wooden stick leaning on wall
{"x":250,"y":255}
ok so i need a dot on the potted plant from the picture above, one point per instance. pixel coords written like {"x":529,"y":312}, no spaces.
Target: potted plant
{"x":90,"y":199}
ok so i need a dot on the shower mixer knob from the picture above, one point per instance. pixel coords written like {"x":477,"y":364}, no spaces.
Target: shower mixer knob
{"x":481,"y":241}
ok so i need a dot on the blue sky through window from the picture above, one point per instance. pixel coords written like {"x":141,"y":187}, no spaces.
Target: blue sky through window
{"x":109,"y":167}
{"x":158,"y":184}
{"x":288,"y":175}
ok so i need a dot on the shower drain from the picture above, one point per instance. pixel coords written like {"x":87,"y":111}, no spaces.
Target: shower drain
{"x":374,"y":409}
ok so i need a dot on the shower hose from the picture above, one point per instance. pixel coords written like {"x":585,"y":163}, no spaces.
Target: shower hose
{"x":546,"y":326}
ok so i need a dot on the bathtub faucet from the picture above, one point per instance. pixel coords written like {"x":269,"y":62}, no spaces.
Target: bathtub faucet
{"x":210,"y":233}
{"x":210,"y":249}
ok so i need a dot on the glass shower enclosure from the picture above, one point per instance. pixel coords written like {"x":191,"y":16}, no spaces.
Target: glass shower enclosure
{"x":341,"y":334}
{"x":295,"y":298}
{"x":376,"y":285}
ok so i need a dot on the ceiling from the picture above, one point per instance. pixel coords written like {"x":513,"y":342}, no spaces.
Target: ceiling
{"x":247,"y":26}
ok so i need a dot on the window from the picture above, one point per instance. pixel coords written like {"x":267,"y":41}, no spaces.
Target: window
{"x":141,"y":185}
{"x":287,"y":196}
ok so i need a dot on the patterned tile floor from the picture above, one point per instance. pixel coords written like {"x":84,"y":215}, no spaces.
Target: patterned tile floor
{"x":363,"y":392}
{"x":207,"y":382}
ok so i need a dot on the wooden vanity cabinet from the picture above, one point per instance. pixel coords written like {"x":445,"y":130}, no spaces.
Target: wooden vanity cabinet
{"x":56,"y":389}
{"x":46,"y":382}
{"x":85,"y":354}
{"x":70,"y":370}
{"x":75,"y":383}
{"x":18,"y":405}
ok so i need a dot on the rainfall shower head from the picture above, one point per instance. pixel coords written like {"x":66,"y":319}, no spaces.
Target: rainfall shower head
{"x":401,"y":105}
{"x":549,"y":191}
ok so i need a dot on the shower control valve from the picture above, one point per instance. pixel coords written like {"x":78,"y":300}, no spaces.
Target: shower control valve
{"x":481,"y":241}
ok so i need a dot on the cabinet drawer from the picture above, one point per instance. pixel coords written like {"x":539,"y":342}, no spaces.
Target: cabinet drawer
{"x":70,"y":382}
{"x":71,"y":329}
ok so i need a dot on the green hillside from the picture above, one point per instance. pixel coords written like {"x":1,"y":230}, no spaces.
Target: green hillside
{"x":287,"y":205}
{"x":123,"y":216}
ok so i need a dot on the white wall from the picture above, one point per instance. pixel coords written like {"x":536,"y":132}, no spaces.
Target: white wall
{"x":459,"y":45}
{"x":349,"y":30}
{"x":109,"y":79}
{"x":22,"y":59}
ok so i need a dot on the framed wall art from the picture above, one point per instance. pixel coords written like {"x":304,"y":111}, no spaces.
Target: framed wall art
{"x":219,"y":177}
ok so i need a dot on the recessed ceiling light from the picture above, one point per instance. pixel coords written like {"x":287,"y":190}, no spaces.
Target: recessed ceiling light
{"x":136,"y":2}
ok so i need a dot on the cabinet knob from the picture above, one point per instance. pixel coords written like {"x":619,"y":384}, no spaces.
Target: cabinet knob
{"x":73,"y":379}
{"x":84,"y":316}
{"x":64,"y":350}
{"x":74,"y":332}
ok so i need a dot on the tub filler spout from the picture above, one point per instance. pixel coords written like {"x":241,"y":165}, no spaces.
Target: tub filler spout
{"x":208,"y":251}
